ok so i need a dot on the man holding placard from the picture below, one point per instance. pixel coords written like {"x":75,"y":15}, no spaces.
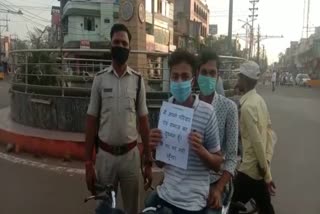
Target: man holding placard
{"x":227,"y":116}
{"x":185,"y":187}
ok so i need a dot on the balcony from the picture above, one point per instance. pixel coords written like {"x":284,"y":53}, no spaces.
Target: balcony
{"x":81,"y":9}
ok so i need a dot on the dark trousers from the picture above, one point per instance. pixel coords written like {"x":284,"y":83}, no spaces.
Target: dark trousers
{"x":246,"y":188}
{"x":273,"y":86}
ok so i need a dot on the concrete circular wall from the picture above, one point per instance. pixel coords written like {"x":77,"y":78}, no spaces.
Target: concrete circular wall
{"x":49,"y":112}
{"x":66,"y":113}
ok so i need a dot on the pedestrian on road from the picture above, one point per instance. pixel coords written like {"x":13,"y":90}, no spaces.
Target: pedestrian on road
{"x":185,"y":191}
{"x":118,"y":98}
{"x":254,"y":177}
{"x":227,"y":116}
{"x":274,"y":80}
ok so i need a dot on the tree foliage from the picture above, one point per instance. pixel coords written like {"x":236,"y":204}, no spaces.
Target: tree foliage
{"x":40,"y":69}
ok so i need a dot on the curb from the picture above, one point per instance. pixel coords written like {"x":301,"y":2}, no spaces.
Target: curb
{"x":43,"y":147}
{"x":41,"y":142}
{"x":46,"y":147}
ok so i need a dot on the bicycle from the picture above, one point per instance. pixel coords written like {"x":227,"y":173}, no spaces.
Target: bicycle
{"x":107,"y":197}
{"x":248,"y":208}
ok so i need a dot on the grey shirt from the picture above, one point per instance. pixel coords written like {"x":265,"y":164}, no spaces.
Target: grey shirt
{"x":115,"y":98}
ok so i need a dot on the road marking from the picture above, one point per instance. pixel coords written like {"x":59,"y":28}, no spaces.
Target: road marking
{"x":58,"y":169}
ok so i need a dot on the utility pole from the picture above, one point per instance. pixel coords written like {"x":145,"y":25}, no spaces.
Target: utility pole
{"x":19,"y":12}
{"x":230,"y":27}
{"x":253,"y":16}
{"x":308,"y":15}
{"x":247,"y":27}
{"x":258,"y":49}
{"x":6,"y":27}
{"x":306,"y":19}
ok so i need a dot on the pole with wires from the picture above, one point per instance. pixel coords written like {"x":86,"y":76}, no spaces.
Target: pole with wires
{"x":6,"y":27}
{"x":230,"y":27}
{"x":253,"y":16}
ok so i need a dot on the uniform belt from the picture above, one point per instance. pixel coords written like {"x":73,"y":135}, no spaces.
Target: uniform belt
{"x":117,"y":150}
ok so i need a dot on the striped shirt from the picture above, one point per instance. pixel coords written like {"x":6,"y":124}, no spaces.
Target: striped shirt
{"x":188,"y":189}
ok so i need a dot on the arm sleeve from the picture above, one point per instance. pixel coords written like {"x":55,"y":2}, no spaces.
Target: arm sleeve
{"x":271,"y":141}
{"x":212,"y":140}
{"x":255,"y":137}
{"x":95,"y":98}
{"x":232,"y":132}
{"x":142,"y":103}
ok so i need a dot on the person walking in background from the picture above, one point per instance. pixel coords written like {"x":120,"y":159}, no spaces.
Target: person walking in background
{"x":274,"y":80}
{"x":254,"y":178}
{"x":118,"y":98}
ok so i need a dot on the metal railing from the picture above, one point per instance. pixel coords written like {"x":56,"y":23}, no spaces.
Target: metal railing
{"x":70,"y":72}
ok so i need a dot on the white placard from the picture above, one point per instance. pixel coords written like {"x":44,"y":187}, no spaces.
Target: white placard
{"x":175,"y":124}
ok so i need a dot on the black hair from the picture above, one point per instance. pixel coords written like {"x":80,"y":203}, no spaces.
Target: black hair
{"x":207,"y":55}
{"x":180,"y":56}
{"x":120,"y":28}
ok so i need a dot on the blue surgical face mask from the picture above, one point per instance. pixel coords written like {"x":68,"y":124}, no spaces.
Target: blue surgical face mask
{"x":207,"y":84}
{"x":181,"y":90}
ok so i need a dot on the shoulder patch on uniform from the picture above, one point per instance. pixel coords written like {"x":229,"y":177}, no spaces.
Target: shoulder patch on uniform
{"x":103,"y":71}
{"x":135,"y":72}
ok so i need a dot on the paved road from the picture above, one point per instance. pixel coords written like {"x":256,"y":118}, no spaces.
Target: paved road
{"x":296,"y":119}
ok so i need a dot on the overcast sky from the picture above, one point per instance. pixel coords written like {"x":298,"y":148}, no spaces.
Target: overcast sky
{"x":276,"y":18}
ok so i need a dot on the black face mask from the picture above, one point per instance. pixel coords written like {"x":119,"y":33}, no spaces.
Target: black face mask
{"x":120,"y":55}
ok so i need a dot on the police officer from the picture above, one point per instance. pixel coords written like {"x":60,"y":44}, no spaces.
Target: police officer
{"x":117,"y":104}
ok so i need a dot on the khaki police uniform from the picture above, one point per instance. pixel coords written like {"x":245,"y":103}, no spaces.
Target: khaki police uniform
{"x":113,"y":101}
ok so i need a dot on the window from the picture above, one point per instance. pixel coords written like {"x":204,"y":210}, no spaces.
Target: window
{"x":65,"y":26}
{"x":149,"y":6}
{"x":161,"y":35}
{"x":163,"y":11}
{"x":159,"y":6}
{"x":89,"y":23}
{"x":149,"y":28}
{"x":194,"y":7}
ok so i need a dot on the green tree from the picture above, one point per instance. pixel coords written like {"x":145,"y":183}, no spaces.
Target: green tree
{"x":41,"y":68}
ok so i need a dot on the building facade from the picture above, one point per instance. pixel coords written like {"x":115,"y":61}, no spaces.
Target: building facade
{"x":55,"y":36}
{"x":159,"y":33}
{"x":191,"y":23}
{"x":303,"y":56}
{"x":88,"y":22}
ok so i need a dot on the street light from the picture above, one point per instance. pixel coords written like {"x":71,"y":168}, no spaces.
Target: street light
{"x":246,"y":26}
